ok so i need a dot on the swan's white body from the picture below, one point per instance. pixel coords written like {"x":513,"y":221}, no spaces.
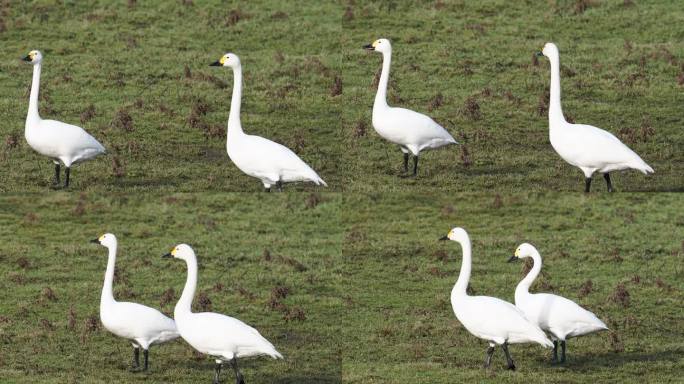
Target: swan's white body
{"x":412,"y":131}
{"x":214,"y":334}
{"x":489,"y":318}
{"x":268,"y":161}
{"x":142,"y":325}
{"x":560,"y":317}
{"x":58,"y":141}
{"x":587,"y":147}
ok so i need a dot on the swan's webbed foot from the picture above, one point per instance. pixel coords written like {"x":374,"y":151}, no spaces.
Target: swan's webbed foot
{"x":607,"y":177}
{"x":509,"y":360}
{"x":587,"y":184}
{"x":488,"y":359}
{"x":217,"y":372}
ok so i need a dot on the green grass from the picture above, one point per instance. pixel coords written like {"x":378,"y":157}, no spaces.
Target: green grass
{"x":117,"y":58}
{"x":368,"y":282}
{"x":623,"y":64}
{"x":403,"y":328}
{"x":482,"y":51}
{"x":46,"y":246}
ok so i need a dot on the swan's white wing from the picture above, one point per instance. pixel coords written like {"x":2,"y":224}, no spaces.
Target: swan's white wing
{"x":493,"y":319}
{"x":137,"y":321}
{"x":59,"y":139}
{"x":221,"y":335}
{"x":561,"y":316}
{"x":264,"y":158}
{"x":592,"y":147}
{"x":410,"y":128}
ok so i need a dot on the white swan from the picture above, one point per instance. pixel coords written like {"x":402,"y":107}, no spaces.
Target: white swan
{"x":222,"y":337}
{"x":589,"y":148}
{"x":58,"y":141}
{"x":489,"y":318}
{"x":270,"y":162}
{"x":143,"y":325}
{"x":556,"y":315}
{"x":412,"y":131}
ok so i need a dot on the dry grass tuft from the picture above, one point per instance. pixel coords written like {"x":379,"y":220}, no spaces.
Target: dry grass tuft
{"x":123,"y":120}
{"x":360,"y":129}
{"x":88,"y":114}
{"x":336,"y":88}
{"x":586,"y":288}
{"x":466,"y":161}
{"x":12,"y":141}
{"x":471,"y":108}
{"x":620,"y":295}
{"x":313,"y":200}
{"x":436,"y":102}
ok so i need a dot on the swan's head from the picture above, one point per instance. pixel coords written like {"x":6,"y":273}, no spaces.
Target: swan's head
{"x":227,"y":60}
{"x":524,"y":250}
{"x":181,"y":251}
{"x":379,"y":45}
{"x":550,"y":50}
{"x":456,"y":234}
{"x":33,"y":57}
{"x":108,"y":240}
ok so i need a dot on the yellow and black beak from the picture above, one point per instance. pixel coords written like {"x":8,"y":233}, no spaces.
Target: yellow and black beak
{"x":167,"y":255}
{"x":95,"y":241}
{"x":369,"y":47}
{"x":27,"y":58}
{"x":215,"y":64}
{"x":513,"y":258}
{"x":539,"y":53}
{"x":443,"y":238}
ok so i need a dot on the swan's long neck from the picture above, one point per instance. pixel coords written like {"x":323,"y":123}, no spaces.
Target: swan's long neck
{"x":107,"y":290}
{"x":523,"y":287}
{"x":381,"y":96}
{"x":555,"y":110}
{"x":33,"y":99}
{"x":184,"y":305}
{"x":463,"y":276}
{"x":234,"y":126}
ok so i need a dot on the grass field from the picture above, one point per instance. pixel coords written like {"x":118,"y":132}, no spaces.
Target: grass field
{"x":349,"y":282}
{"x":137,"y":78}
{"x":472,"y":64}
{"x":403,"y":328}
{"x":278,"y":272}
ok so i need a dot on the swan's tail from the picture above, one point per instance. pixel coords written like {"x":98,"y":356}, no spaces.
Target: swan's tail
{"x":640,"y":165}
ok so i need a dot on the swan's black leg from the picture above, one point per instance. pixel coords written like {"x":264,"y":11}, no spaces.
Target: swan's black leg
{"x":57,"y":169}
{"x":66,"y":173}
{"x":555,"y":352}
{"x":136,"y":357}
{"x":145,"y":353}
{"x":406,"y":158}
{"x":267,"y":189}
{"x":217,"y":372}
{"x":562,"y":360}
{"x":607,"y":177}
{"x":238,"y":376}
{"x":587,"y":184}
{"x":488,"y":359}
{"x":511,"y":365}
{"x":415,"y":165}
{"x":279,"y":184}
